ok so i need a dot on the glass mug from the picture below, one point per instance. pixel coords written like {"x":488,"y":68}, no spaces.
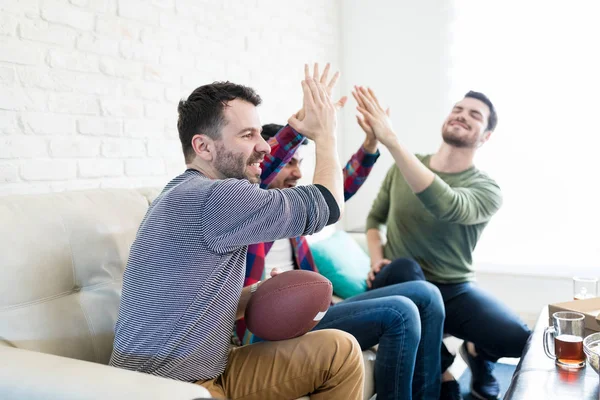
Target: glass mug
{"x":567,"y":330}
{"x":584,"y":288}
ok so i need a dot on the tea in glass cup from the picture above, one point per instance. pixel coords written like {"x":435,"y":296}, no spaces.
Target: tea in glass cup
{"x":566,"y":333}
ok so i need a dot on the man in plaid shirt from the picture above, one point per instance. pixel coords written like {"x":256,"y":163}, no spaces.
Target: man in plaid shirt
{"x":281,"y":169}
{"x":406,"y":320}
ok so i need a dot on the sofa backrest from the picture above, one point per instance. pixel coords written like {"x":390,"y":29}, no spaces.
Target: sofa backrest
{"x":62,"y":258}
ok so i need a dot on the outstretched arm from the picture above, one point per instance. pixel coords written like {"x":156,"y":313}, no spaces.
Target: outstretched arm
{"x":465,"y":205}
{"x":377,"y":120}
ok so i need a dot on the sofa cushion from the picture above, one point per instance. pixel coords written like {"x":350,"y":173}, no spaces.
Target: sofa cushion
{"x":341,"y":260}
{"x":63,"y":257}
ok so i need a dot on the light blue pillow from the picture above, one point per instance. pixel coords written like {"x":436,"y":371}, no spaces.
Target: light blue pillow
{"x":341,"y":260}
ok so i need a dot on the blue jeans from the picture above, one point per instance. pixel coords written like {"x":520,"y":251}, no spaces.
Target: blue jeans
{"x":406,"y":320}
{"x":471,"y":314}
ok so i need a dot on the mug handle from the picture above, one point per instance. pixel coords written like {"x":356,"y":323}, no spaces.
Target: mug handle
{"x":548,"y":332}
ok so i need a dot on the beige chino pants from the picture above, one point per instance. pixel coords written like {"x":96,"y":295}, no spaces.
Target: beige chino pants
{"x":324,"y":364}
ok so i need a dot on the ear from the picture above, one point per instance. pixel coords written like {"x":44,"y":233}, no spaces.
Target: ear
{"x":204,"y":147}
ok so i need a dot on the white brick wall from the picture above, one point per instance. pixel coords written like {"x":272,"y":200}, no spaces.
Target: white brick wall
{"x":89,"y":88}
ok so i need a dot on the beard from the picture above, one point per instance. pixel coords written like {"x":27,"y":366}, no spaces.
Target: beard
{"x":455,"y":140}
{"x":234,"y":165}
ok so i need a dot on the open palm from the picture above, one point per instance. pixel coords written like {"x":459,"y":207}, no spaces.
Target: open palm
{"x":322,"y":79}
{"x":374,"y":120}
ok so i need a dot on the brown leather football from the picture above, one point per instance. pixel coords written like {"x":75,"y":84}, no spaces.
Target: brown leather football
{"x":288,"y":305}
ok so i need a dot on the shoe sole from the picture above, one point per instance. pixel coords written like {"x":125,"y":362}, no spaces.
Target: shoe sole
{"x":462,"y":351}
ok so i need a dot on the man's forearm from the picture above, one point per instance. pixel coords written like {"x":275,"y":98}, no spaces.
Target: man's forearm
{"x":375,"y":244}
{"x":418,"y":176}
{"x":358,"y":168}
{"x":328,"y":171}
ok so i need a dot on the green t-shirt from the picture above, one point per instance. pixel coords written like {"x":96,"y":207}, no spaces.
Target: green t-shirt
{"x":440,"y":226}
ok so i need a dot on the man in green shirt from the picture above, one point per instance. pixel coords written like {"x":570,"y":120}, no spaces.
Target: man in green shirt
{"x":435,"y":208}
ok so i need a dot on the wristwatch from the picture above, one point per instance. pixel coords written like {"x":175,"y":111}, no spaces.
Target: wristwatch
{"x":254,"y":287}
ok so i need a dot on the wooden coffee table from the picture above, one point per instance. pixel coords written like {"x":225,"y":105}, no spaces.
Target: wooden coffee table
{"x":536,"y":376}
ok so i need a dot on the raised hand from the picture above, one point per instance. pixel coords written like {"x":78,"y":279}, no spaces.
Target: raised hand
{"x":319,"y":121}
{"x":370,"y":143}
{"x":374,"y":120}
{"x":322,"y":79}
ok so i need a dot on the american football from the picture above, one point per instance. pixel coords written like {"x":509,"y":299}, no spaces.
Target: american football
{"x":288,"y":305}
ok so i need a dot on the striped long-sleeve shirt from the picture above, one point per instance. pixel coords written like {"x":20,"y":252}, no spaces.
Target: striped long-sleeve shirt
{"x":186,"y":267}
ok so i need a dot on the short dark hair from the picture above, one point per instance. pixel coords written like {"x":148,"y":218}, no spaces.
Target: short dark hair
{"x":493,"y":119}
{"x":270,"y":130}
{"x":202,"y":112}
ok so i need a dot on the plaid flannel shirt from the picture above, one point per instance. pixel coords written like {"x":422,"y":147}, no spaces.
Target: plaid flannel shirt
{"x":283,"y":145}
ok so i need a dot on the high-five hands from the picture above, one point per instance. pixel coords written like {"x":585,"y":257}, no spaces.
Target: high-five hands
{"x":323,"y":81}
{"x":374,"y":120}
{"x":318,"y":112}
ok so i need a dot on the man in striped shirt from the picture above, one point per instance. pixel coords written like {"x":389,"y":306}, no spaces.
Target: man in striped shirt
{"x":182,"y":288}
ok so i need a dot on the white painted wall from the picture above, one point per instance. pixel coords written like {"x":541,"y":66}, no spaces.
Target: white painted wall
{"x":89,"y":88}
{"x":400,"y":49}
{"x":421,"y":57}
{"x":545,"y":83}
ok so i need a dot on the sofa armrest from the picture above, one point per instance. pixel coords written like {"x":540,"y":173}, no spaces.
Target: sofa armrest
{"x":26,"y":374}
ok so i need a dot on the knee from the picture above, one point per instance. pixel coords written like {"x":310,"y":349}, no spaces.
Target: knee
{"x":519,"y":334}
{"x":344,"y":344}
{"x":402,"y":317}
{"x":514,"y":339}
{"x":404,"y":270}
{"x":428,"y":298}
{"x":339,"y":356}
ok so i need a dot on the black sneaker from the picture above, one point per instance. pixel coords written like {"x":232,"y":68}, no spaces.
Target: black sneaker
{"x":450,"y":391}
{"x":483,"y":384}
